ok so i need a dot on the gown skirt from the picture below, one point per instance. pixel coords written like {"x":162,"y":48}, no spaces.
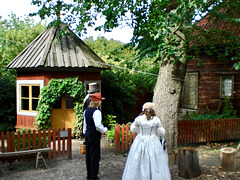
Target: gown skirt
{"x":147,"y":159}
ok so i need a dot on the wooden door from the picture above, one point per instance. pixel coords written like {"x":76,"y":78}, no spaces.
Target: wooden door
{"x":63,"y":114}
{"x":190,"y":91}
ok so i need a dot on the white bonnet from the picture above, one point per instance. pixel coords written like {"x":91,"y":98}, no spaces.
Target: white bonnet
{"x":148,"y":105}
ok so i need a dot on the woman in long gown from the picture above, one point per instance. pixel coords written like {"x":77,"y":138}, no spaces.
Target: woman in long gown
{"x":147,"y":158}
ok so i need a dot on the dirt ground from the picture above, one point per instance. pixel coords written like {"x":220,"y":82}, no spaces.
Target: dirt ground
{"x":111,"y":166}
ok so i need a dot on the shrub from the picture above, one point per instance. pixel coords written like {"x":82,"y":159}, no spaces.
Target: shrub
{"x":8,"y":107}
{"x":228,"y":112}
{"x":111,"y":122}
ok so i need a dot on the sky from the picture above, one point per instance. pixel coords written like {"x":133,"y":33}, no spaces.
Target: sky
{"x":23,"y":7}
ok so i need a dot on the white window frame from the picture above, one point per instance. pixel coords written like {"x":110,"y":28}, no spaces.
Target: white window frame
{"x":221,"y":85}
{"x":26,"y":82}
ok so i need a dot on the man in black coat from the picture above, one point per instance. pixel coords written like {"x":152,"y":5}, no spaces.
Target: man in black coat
{"x":92,"y":89}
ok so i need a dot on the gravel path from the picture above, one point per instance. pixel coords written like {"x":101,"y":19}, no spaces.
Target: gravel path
{"x":111,"y":167}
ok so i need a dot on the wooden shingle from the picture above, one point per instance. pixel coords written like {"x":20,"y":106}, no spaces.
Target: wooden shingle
{"x":46,"y":51}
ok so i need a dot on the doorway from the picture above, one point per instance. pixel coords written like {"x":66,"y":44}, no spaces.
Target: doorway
{"x":63,"y":114}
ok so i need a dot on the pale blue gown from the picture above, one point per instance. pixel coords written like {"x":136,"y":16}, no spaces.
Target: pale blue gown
{"x":147,"y":159}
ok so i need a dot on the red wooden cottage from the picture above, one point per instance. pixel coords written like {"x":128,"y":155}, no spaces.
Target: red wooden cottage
{"x":45,"y":58}
{"x":205,"y":85}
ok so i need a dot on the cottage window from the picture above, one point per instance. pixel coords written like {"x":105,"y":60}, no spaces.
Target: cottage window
{"x":29,"y":96}
{"x":66,"y":102}
{"x":226,"y":86}
{"x":189,"y":98}
{"x":28,"y":92}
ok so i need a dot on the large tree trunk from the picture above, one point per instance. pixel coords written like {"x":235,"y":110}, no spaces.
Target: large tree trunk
{"x":167,"y":93}
{"x":167,"y":98}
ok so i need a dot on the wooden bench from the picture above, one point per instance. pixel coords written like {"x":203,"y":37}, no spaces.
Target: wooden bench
{"x":19,"y":153}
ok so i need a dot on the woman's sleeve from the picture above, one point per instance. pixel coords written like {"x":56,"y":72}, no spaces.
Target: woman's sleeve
{"x":160,"y":128}
{"x":135,"y":125}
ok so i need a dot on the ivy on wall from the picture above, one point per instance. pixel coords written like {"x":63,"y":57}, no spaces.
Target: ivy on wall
{"x":54,"y":91}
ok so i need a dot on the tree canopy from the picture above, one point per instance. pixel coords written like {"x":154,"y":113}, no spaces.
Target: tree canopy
{"x":163,"y":31}
{"x":122,"y":86}
{"x":155,"y":22}
{"x":15,"y":34}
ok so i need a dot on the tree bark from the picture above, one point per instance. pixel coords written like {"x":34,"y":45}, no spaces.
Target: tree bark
{"x":167,"y":92}
{"x":167,"y":98}
{"x":228,"y":159}
{"x":188,"y":163}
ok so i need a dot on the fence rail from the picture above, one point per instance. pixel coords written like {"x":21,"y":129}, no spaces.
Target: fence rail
{"x":189,"y":131}
{"x":196,"y":131}
{"x":60,"y":141}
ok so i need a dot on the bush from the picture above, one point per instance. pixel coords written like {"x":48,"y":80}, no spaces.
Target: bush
{"x":110,"y":122}
{"x":122,"y":89}
{"x":228,"y":112}
{"x":8,"y":107}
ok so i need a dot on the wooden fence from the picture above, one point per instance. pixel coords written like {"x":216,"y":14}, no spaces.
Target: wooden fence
{"x":189,"y":131}
{"x":197,"y":131}
{"x":60,"y":141}
{"x":123,"y":138}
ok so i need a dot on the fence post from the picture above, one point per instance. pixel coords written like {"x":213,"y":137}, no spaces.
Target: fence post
{"x":123,"y":133}
{"x":127,"y":131}
{"x":34,"y":139}
{"x":54,"y":142}
{"x":59,"y":142}
{"x":13,"y":140}
{"x":63,"y":145}
{"x":117,"y":138}
{"x":69,"y":144}
{"x":29,"y":139}
{"x":238,"y":129}
{"x":44,"y":138}
{"x":209,"y":131}
{"x":3,"y":142}
{"x":49,"y":143}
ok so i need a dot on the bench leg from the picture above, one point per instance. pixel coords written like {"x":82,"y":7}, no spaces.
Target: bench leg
{"x":40,"y":156}
{"x":10,"y":163}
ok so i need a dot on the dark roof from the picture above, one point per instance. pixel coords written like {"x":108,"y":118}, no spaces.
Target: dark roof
{"x":206,"y":30}
{"x":46,"y":51}
{"x":208,"y":23}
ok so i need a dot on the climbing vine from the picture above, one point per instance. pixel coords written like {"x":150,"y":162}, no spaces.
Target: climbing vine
{"x":54,"y":91}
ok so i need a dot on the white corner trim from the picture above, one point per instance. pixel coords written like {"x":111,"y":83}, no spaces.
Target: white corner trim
{"x":26,"y":82}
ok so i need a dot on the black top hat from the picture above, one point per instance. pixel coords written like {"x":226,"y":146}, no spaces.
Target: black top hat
{"x":92,"y":87}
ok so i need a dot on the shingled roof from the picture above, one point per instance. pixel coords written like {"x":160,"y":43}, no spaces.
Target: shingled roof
{"x":215,"y":31}
{"x":208,"y":23}
{"x":46,"y":51}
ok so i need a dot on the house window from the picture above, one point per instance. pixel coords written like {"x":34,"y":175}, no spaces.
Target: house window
{"x":28,"y":92}
{"x":226,"y":86}
{"x":66,"y":101}
{"x":29,"y":96}
{"x":189,"y":97}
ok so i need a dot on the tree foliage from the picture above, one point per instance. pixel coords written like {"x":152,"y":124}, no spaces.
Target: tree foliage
{"x":15,"y":35}
{"x":53,"y":92}
{"x":155,"y":22}
{"x":7,"y":101}
{"x":122,"y":86}
{"x":162,"y":31}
